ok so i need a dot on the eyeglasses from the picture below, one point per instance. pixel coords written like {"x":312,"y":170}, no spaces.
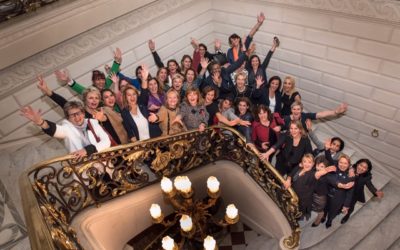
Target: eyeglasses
{"x":76,"y":114}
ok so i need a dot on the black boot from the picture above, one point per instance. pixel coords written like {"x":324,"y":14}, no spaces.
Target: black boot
{"x":345,"y":219}
{"x":328,"y":223}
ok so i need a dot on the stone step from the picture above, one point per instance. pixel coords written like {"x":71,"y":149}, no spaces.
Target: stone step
{"x":395,"y":245}
{"x":262,"y":243}
{"x":388,"y":231}
{"x":361,"y":223}
{"x":311,"y":236}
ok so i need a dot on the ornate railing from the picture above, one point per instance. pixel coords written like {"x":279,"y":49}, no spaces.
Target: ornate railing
{"x":55,"y":191}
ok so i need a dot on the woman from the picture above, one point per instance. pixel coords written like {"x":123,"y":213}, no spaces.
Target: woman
{"x":162,"y":78}
{"x":113,"y":117}
{"x":191,"y":79}
{"x":241,"y":89}
{"x":292,"y":148}
{"x":172,"y":64}
{"x":166,"y":116}
{"x":82,"y":136}
{"x":156,"y":96}
{"x":243,"y":107}
{"x":91,"y":98}
{"x":192,"y":112}
{"x":264,"y":129}
{"x":186,"y":63}
{"x":363,"y":177}
{"x":210,"y":96}
{"x":258,"y":69}
{"x":289,"y":95}
{"x":135,"y":115}
{"x":340,"y":190}
{"x":269,"y":95}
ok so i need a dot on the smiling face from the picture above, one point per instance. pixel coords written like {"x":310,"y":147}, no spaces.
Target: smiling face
{"x":186,"y":63}
{"x":255,"y":62}
{"x":108,"y":99}
{"x":296,"y":112}
{"x":76,"y":116}
{"x":343,"y":164}
{"x":240,"y":81}
{"x":131,"y":97}
{"x":153,"y":86}
{"x":99,"y":83}
{"x":362,"y":167}
{"x":202,"y":51}
{"x":190,"y":76}
{"x":287,"y":85}
{"x":92,"y":100}
{"x":192,"y":98}
{"x":295,"y":131}
{"x":177,"y":84}
{"x":235,"y":42}
{"x":209,"y":98}
{"x":307,"y":163}
{"x":162,"y":75}
{"x":172,"y":99}
{"x":243,"y":107}
{"x":172,"y":67}
{"x":274,"y":85}
{"x":226,"y":104}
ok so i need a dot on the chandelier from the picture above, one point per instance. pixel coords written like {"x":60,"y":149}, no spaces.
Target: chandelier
{"x":194,"y":216}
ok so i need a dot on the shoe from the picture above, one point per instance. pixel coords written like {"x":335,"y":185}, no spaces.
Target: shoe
{"x":314,"y":225}
{"x":328,"y":224}
{"x":344,"y":219}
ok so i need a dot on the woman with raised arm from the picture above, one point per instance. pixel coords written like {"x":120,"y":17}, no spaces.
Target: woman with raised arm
{"x":200,"y":53}
{"x":269,"y":95}
{"x":162,"y":78}
{"x":99,"y":80}
{"x":289,"y":95}
{"x":156,"y":96}
{"x":258,"y":69}
{"x":297,"y":114}
{"x":292,"y":147}
{"x":82,"y":136}
{"x":235,"y":41}
{"x":186,"y":63}
{"x":172,"y":64}
{"x":219,"y":77}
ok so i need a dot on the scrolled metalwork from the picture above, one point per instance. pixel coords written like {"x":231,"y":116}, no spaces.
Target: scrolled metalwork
{"x":63,"y":187}
{"x":12,"y":8}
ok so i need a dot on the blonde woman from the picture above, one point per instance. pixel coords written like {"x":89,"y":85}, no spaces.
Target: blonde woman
{"x":289,"y":95}
{"x":293,"y":146}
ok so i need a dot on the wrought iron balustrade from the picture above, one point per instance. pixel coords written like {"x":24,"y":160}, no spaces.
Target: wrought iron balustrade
{"x":55,"y":191}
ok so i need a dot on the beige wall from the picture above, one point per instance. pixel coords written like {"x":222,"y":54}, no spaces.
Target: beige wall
{"x":337,"y":52}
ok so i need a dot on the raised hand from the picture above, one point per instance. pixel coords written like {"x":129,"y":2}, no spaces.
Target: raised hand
{"x":194,"y":43}
{"x":107,"y":69}
{"x":259,"y":81}
{"x":341,"y":108}
{"x":251,"y":49}
{"x":217,"y":44}
{"x":328,"y":144}
{"x":216,"y":76}
{"x":260,"y":17}
{"x":145,"y":72}
{"x":114,"y":78}
{"x":62,"y":76}
{"x":152,"y":45}
{"x":42,"y":85}
{"x":118,"y":55}
{"x":34,"y":115}
{"x":204,"y":62}
{"x":99,"y":115}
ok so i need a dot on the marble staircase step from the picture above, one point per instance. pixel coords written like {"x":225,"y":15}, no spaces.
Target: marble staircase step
{"x":387,"y":231}
{"x":395,"y":245}
{"x":361,"y":223}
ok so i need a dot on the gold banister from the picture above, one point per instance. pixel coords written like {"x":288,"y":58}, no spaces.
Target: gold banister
{"x":55,"y":191}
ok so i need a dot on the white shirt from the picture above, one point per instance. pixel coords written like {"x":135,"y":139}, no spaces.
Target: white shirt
{"x":272,"y":104}
{"x":142,"y":124}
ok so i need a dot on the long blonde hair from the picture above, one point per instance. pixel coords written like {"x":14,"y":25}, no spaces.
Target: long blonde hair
{"x":293,"y":82}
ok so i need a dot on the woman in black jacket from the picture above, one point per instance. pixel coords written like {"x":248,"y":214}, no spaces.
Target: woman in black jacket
{"x":363,"y":177}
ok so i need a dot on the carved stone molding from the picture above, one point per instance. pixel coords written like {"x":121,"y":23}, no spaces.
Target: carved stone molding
{"x":384,"y":10}
{"x":24,"y":72}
